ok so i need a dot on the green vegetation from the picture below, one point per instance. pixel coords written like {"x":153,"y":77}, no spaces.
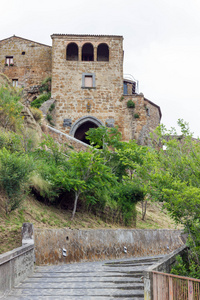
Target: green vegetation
{"x":107,"y":180}
{"x":130,"y":104}
{"x":40,"y":100}
{"x":10,"y":108}
{"x":175,"y":180}
{"x":46,"y":85}
{"x":136,"y":116}
{"x":37,"y":114}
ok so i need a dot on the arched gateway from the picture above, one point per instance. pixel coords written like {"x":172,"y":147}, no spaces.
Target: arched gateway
{"x":82,"y":125}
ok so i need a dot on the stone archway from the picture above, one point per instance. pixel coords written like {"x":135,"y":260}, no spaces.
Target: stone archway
{"x":82,"y":125}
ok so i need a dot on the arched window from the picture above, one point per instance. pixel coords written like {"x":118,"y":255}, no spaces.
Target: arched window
{"x":72,"y":52}
{"x":87,"y":52}
{"x":103,"y":52}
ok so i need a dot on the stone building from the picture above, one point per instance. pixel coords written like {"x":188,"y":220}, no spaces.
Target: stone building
{"x":26,"y":63}
{"x":87,"y":83}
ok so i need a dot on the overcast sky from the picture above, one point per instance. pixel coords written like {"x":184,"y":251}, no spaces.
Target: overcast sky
{"x":161,"y":42}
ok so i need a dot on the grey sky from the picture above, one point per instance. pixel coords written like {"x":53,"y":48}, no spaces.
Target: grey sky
{"x":161,"y":42}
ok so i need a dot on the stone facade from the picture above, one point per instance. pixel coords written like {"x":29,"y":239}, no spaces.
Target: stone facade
{"x":26,"y":63}
{"x":81,"y":105}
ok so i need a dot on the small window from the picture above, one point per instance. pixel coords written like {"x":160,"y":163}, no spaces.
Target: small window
{"x":125,"y":88}
{"x":9,"y":61}
{"x":15,"y":82}
{"x":88,"y":80}
{"x":23,"y":53}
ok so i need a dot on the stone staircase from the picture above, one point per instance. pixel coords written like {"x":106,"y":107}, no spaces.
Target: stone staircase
{"x":119,"y":279}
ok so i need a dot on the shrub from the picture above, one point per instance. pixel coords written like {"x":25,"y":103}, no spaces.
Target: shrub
{"x":46,"y":85}
{"x":136,"y":116}
{"x":40,"y":100}
{"x":127,"y":195}
{"x":49,"y":117}
{"x":37,"y":114}
{"x":130,"y":104}
{"x":10,"y":108}
{"x":51,"y":108}
{"x":11,"y":141}
{"x":14,"y":174}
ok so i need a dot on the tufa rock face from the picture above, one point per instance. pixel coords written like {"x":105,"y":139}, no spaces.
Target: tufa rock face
{"x":29,"y":120}
{"x":4,"y":80}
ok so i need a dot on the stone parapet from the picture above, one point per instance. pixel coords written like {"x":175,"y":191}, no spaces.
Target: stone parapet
{"x":64,"y":138}
{"x":18,"y":264}
{"x":55,"y":246}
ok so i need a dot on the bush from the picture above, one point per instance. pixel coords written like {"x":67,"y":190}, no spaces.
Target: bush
{"x":51,"y":108}
{"x":127,"y":195}
{"x":46,"y":85}
{"x":40,"y":100}
{"x":11,"y":141}
{"x":49,"y":118}
{"x":136,"y":116}
{"x":14,"y":174}
{"x":10,"y":108}
{"x":37,"y":114}
{"x":130,"y":104}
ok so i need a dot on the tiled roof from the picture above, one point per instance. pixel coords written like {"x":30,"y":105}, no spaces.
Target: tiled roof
{"x":88,"y":35}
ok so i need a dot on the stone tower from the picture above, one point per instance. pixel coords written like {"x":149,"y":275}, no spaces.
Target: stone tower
{"x":89,"y":89}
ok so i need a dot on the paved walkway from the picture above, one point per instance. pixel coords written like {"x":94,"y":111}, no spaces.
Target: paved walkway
{"x":119,"y":279}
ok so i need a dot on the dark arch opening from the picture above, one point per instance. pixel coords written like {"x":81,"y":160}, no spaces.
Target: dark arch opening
{"x":87,"y":52}
{"x":103,"y":52}
{"x":72,"y":52}
{"x":82,"y":129}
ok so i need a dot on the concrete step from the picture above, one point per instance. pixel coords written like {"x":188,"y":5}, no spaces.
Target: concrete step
{"x":119,"y":279}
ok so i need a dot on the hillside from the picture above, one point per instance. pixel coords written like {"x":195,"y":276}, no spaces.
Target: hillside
{"x":42,"y":215}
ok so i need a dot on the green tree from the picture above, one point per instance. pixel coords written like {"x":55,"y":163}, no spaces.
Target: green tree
{"x":15,"y":170}
{"x":86,"y":172}
{"x":175,"y":180}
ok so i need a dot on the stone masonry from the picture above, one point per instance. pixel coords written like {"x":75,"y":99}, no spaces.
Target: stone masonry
{"x":25,"y":62}
{"x":81,"y":105}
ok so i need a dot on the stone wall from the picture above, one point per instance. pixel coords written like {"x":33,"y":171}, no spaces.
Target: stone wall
{"x":18,"y":264}
{"x":53,"y":246}
{"x":66,"y":139}
{"x":31,"y":60}
{"x":149,"y":116}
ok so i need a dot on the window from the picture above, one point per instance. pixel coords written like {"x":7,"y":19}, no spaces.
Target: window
{"x":103,"y":52}
{"x":87,"y":52}
{"x":9,"y":61}
{"x":129,"y":87}
{"x":15,"y":82}
{"x":72,"y":52}
{"x":125,"y":88}
{"x":88,"y":80}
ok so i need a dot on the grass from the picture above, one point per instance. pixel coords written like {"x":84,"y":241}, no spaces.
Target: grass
{"x":43,"y":216}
